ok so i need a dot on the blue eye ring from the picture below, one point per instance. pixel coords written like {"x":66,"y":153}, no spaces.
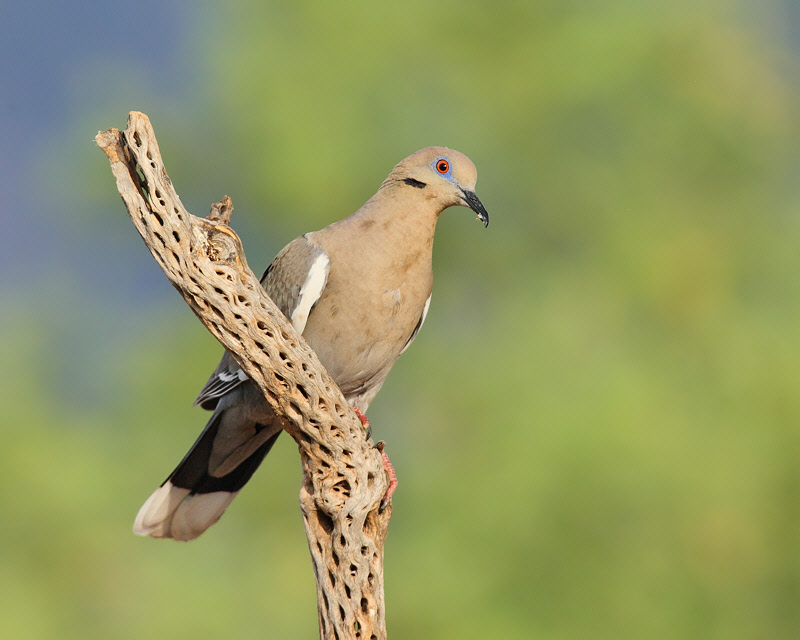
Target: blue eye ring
{"x":442,"y":166}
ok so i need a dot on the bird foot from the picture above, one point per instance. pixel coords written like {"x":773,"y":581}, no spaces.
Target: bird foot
{"x":392,"y":476}
{"x":364,"y":421}
{"x":386,"y":463}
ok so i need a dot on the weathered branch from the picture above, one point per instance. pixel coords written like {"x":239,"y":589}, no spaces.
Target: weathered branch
{"x":343,"y":475}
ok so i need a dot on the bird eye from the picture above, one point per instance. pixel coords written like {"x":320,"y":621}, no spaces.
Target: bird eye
{"x":442,"y":166}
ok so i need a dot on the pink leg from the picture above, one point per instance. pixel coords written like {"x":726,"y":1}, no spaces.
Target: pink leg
{"x":386,"y":463}
{"x":362,"y":417}
{"x":392,"y":475}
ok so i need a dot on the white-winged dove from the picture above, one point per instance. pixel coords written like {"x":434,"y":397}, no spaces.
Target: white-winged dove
{"x":358,"y":291}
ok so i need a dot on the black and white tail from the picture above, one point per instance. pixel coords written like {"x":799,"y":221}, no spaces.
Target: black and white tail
{"x":221,"y":461}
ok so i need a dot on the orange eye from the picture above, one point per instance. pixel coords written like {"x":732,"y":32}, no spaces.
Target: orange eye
{"x":443,"y":166}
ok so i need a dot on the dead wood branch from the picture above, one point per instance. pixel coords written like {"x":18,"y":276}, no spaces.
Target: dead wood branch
{"x":343,"y":475}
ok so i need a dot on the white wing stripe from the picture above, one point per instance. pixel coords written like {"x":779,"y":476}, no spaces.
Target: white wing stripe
{"x":419,"y":326}
{"x":311,"y":291}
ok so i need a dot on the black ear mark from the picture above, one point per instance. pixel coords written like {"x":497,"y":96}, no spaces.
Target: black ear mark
{"x":415,"y":183}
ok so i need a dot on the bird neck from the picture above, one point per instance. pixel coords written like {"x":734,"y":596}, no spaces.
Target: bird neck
{"x":401,"y":214}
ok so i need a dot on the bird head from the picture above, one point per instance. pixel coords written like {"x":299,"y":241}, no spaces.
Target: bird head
{"x":443,"y":175}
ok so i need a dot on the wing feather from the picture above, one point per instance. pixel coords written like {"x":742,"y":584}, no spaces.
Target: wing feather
{"x":295,"y":281}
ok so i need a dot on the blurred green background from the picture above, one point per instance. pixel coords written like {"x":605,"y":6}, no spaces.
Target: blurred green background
{"x":597,"y":431}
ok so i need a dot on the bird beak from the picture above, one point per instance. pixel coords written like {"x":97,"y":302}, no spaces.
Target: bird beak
{"x":472,"y":201}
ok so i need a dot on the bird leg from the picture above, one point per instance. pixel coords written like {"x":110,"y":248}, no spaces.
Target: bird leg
{"x":392,"y":475}
{"x":364,"y":421}
{"x":386,"y":463}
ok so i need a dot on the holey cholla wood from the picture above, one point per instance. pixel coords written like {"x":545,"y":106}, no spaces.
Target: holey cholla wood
{"x":344,"y":478}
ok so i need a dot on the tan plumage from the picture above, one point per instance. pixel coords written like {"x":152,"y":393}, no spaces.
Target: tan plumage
{"x":358,"y":291}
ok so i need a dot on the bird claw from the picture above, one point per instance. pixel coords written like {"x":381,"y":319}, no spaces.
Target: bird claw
{"x":386,"y":464}
{"x":387,"y":498}
{"x":364,"y":422}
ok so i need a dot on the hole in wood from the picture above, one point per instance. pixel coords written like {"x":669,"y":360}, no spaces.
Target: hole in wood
{"x":218,"y":313}
{"x":158,"y":218}
{"x":343,"y":488}
{"x":326,"y":524}
{"x":364,"y":605}
{"x":280,"y":379}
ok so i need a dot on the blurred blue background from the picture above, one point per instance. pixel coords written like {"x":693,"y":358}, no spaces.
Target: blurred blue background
{"x":596,"y":433}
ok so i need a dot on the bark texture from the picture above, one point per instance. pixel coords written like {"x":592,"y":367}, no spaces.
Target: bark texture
{"x":343,"y":474}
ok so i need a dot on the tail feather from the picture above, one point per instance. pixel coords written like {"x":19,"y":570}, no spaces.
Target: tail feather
{"x":197,"y":493}
{"x":173,"y":512}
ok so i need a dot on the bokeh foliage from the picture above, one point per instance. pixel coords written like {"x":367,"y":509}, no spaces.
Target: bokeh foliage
{"x":596,"y":433}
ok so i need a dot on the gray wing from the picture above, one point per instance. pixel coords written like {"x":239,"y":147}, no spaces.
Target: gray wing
{"x":226,"y":376}
{"x":295,"y":281}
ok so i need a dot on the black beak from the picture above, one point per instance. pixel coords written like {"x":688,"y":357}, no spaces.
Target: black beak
{"x":472,"y":201}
